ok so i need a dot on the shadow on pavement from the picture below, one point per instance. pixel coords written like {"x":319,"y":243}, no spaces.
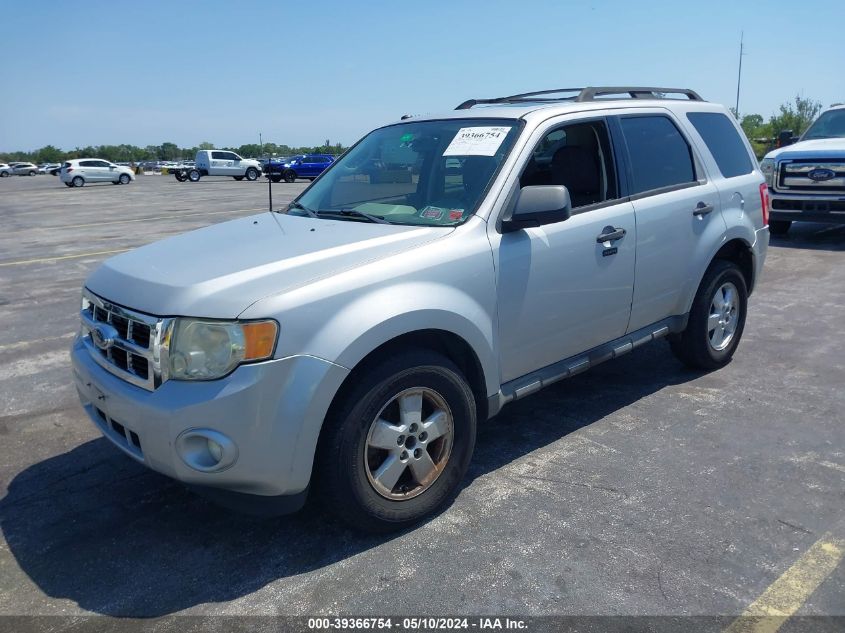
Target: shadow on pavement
{"x":92,"y":526}
{"x":812,"y":236}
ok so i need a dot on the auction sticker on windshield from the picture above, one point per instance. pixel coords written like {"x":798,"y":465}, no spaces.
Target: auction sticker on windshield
{"x":477,"y":141}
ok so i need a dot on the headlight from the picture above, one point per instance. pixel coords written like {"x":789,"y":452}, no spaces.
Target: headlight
{"x":205,"y":350}
{"x":767,"y":166}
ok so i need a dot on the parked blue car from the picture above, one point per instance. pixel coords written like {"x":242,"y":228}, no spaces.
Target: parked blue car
{"x":303,"y":166}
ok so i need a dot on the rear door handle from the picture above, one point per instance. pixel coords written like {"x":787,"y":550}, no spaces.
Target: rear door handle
{"x":610,"y":234}
{"x":702,"y":209}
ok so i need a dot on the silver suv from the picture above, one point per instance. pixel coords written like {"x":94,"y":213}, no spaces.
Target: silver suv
{"x":442,"y":268}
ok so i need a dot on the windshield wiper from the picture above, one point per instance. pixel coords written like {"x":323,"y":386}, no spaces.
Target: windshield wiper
{"x":358,"y":214}
{"x":309,"y":212}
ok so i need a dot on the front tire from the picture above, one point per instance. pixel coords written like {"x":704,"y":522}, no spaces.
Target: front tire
{"x":716,"y":320}
{"x":276,"y":178}
{"x":779,"y":227}
{"x":252,"y":174}
{"x":289,"y":176}
{"x":124,"y":179}
{"x":397,"y":446}
{"x":78,"y":181}
{"x":238,"y":178}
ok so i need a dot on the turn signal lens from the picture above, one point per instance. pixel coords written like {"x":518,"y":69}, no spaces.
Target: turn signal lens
{"x":260,"y":339}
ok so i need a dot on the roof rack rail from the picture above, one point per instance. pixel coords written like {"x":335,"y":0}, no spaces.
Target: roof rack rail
{"x":591,"y":93}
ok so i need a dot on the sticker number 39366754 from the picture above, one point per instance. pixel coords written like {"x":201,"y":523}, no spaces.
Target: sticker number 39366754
{"x":477,"y":141}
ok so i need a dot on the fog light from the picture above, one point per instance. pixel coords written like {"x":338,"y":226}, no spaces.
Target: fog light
{"x":215,"y":449}
{"x":206,"y":450}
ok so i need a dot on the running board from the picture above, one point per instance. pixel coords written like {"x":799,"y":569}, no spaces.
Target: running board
{"x":533,"y":382}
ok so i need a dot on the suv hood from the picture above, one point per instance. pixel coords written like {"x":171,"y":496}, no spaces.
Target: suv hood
{"x":220,"y":270}
{"x":816,"y":148}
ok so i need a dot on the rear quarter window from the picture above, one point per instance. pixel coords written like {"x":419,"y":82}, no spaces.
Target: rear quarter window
{"x":723,"y":141}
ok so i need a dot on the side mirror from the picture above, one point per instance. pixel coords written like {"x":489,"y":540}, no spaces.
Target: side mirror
{"x":538,"y":205}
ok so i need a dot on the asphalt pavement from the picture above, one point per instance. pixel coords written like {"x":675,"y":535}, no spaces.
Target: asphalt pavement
{"x":638,"y":488}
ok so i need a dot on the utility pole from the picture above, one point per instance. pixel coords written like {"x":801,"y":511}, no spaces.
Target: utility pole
{"x":739,"y":75}
{"x":260,"y":145}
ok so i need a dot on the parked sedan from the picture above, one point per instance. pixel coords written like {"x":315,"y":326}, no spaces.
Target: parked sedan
{"x":80,"y":171}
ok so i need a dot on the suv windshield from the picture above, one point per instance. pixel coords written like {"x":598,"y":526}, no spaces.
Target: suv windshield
{"x":422,"y":173}
{"x":831,"y":124}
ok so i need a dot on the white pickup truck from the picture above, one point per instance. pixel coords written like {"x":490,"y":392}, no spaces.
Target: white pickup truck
{"x":218,"y":162}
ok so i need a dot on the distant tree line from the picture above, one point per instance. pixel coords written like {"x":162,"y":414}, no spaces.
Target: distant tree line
{"x":165,"y":151}
{"x":796,"y":116}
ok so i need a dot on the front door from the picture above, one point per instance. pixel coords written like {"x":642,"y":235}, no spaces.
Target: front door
{"x":562,"y":289}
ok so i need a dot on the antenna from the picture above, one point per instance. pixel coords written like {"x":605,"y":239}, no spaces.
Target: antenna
{"x":739,"y":75}
{"x":269,"y":174}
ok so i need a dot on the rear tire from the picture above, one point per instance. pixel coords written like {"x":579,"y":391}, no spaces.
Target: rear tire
{"x":4,"y":174}
{"x":33,"y":173}
{"x":289,"y":176}
{"x":238,"y":178}
{"x":78,"y":181}
{"x":397,"y":446}
{"x":276,"y":178}
{"x":68,"y":184}
{"x":716,"y":319}
{"x":194,"y":175}
{"x":779,"y":227}
{"x":181,"y":177}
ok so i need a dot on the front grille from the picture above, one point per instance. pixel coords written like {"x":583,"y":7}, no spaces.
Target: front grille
{"x":134,"y":353}
{"x":126,"y":437}
{"x":794,"y":175}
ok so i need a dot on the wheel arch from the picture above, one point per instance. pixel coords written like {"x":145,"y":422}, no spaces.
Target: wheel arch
{"x":739,"y":252}
{"x":449,"y":344}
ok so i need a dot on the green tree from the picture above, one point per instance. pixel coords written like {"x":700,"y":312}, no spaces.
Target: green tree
{"x":48,"y":154}
{"x":795,"y":116}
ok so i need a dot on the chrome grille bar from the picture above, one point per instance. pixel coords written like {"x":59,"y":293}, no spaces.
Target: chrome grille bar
{"x":128,"y":359}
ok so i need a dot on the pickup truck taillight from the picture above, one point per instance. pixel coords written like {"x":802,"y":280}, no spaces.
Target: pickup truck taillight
{"x":765,"y":201}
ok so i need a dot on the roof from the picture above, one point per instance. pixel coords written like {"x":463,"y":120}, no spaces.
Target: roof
{"x":545,"y":110}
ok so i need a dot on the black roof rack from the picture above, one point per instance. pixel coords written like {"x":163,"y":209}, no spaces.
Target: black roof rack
{"x":590,"y":93}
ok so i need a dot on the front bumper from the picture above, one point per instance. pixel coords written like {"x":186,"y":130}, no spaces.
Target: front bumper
{"x":799,"y":207}
{"x":272,"y":412}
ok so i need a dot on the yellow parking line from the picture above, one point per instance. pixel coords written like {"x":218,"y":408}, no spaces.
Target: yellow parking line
{"x":786,"y":594}
{"x":55,"y":259}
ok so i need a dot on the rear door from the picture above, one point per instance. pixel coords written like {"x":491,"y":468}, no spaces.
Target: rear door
{"x":677,"y":211}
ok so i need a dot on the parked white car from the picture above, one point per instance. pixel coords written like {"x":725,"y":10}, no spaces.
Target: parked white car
{"x":80,"y":171}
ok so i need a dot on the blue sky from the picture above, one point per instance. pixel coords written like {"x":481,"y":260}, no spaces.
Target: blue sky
{"x":97,"y":72}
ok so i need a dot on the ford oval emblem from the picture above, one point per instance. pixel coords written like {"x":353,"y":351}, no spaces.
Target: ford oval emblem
{"x":821,"y":174}
{"x":103,"y":336}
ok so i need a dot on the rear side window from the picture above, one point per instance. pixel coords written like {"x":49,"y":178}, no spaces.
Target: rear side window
{"x":659,"y":155}
{"x":723,"y":141}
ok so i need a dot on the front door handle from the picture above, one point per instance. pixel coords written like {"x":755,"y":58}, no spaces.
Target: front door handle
{"x":702,"y":209}
{"x":610,"y":234}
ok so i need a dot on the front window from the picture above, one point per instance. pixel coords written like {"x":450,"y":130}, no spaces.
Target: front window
{"x":422,"y":173}
{"x":831,"y":124}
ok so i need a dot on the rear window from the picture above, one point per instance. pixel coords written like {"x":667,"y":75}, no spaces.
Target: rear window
{"x":659,"y":154}
{"x":723,"y":141}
